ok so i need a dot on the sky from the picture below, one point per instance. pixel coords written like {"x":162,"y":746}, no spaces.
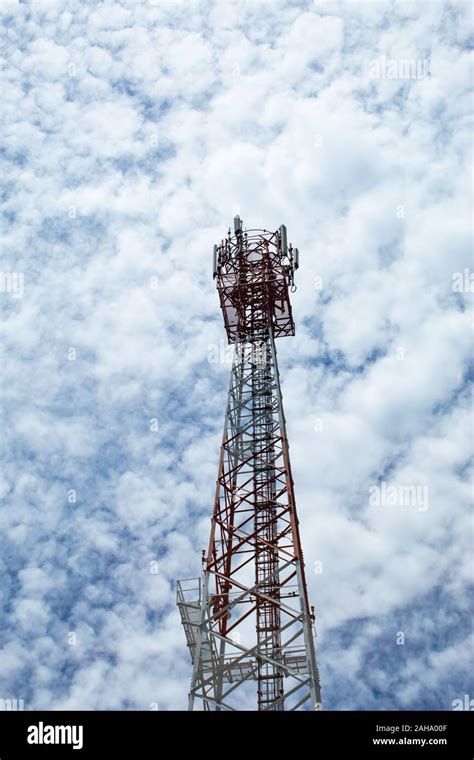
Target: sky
{"x":132,"y":133}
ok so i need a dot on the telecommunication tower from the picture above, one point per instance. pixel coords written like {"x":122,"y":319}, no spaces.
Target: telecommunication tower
{"x":247,"y":619}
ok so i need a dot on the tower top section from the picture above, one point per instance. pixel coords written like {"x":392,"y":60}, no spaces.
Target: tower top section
{"x":255,"y":272}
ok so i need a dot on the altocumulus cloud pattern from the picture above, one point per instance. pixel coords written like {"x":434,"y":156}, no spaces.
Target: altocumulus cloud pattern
{"x":133,"y":131}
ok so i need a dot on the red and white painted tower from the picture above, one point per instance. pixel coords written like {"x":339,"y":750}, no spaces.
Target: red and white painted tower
{"x":248,"y":622}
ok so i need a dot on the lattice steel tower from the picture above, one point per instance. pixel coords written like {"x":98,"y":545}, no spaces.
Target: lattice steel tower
{"x":248,"y":623}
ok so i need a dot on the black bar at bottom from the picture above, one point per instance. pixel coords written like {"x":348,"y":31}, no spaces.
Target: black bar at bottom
{"x":315,"y":734}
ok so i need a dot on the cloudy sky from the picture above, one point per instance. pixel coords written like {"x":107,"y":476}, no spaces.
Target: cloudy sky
{"x":133,"y":132}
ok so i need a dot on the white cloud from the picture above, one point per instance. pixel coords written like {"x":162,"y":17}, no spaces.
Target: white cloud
{"x":133,"y":133}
